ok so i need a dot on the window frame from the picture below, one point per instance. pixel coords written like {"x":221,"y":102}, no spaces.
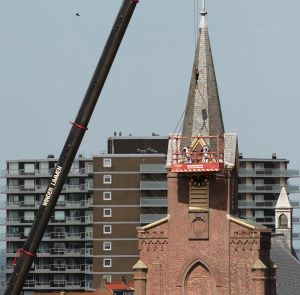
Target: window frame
{"x":107,"y":246}
{"x":107,"y":181}
{"x":107,"y":163}
{"x":109,"y":260}
{"x":107,"y":229}
{"x":106,"y":196}
{"x":107,"y":212}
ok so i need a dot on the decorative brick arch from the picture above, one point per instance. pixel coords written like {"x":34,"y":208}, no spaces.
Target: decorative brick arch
{"x":199,"y":281}
{"x":206,"y":263}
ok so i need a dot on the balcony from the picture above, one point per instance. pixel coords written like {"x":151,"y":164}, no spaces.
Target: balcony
{"x":153,"y":202}
{"x":153,"y":168}
{"x":43,"y":173}
{"x":153,"y":185}
{"x":256,"y":204}
{"x":57,"y":285}
{"x":60,"y":204}
{"x":11,"y":189}
{"x":267,"y":188}
{"x":268,"y":172}
{"x":296,"y":220}
{"x":149,"y":218}
{"x":67,"y":236}
{"x":268,"y":220}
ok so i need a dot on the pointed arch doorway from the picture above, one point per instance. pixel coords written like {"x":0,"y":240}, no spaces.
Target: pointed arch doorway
{"x":199,"y":281}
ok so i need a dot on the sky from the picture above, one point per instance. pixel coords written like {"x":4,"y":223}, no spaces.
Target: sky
{"x":48,"y":55}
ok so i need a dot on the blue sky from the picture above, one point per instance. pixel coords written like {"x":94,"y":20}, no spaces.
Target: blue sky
{"x":48,"y":56}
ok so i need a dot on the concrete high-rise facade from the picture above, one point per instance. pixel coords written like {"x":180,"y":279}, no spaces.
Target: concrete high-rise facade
{"x":64,"y":258}
{"x":260,"y":183}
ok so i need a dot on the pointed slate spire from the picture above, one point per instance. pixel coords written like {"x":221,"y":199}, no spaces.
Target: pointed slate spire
{"x":203,"y":114}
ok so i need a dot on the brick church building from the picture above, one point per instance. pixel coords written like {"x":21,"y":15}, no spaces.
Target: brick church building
{"x":202,"y":247}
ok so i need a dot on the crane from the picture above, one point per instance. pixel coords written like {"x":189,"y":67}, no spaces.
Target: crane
{"x":25,"y":256}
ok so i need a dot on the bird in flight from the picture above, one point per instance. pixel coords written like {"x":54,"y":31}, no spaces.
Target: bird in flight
{"x":77,"y":14}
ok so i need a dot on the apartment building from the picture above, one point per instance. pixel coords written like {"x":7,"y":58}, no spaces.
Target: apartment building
{"x":64,"y":258}
{"x":260,"y":182}
{"x":130,"y":189}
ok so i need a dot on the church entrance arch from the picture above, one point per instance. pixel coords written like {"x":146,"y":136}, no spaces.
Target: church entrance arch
{"x":199,"y":280}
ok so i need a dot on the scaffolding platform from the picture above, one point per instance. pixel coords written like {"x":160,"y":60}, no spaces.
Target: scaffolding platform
{"x":197,"y":154}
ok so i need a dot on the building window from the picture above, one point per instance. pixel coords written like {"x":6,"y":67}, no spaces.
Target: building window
{"x":106,"y":162}
{"x":59,"y":215}
{"x":26,"y":231}
{"x":259,"y":213}
{"x":44,"y":167}
{"x":89,"y":167}
{"x":14,"y":199}
{"x":259,"y":181}
{"x":61,"y":200}
{"x":89,"y":183}
{"x":107,"y":179}
{"x":59,"y":280}
{"x":29,"y":184}
{"x":29,"y":215}
{"x":259,"y":198}
{"x":259,"y":165}
{"x":28,"y":200}
{"x":107,"y":278}
{"x":59,"y":232}
{"x":283,"y":221}
{"x":107,"y":229}
{"x":75,"y":167}
{"x":106,"y":196}
{"x":107,"y":212}
{"x":107,"y":262}
{"x":107,"y":246}
{"x":29,"y":168}
{"x":13,"y":168}
{"x":74,"y":181}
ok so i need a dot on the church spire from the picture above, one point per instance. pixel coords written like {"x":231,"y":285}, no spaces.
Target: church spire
{"x":203,"y":114}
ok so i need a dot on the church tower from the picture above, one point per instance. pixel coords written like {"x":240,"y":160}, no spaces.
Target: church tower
{"x":202,"y":247}
{"x":283,"y":220}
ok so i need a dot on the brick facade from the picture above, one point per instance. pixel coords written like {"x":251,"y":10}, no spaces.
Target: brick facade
{"x":197,"y":251}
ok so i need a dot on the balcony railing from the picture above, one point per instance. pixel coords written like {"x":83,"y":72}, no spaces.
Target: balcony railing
{"x":153,"y":185}
{"x":268,"y":172}
{"x":267,"y":188}
{"x":67,"y":236}
{"x":148,"y":218}
{"x":45,"y":172}
{"x":153,"y":168}
{"x":57,"y":285}
{"x":63,"y":204}
{"x":254,"y":204}
{"x":264,"y":220}
{"x":42,"y":188}
{"x":153,"y":202}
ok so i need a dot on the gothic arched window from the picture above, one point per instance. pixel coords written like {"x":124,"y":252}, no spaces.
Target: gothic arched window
{"x":283,"y":221}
